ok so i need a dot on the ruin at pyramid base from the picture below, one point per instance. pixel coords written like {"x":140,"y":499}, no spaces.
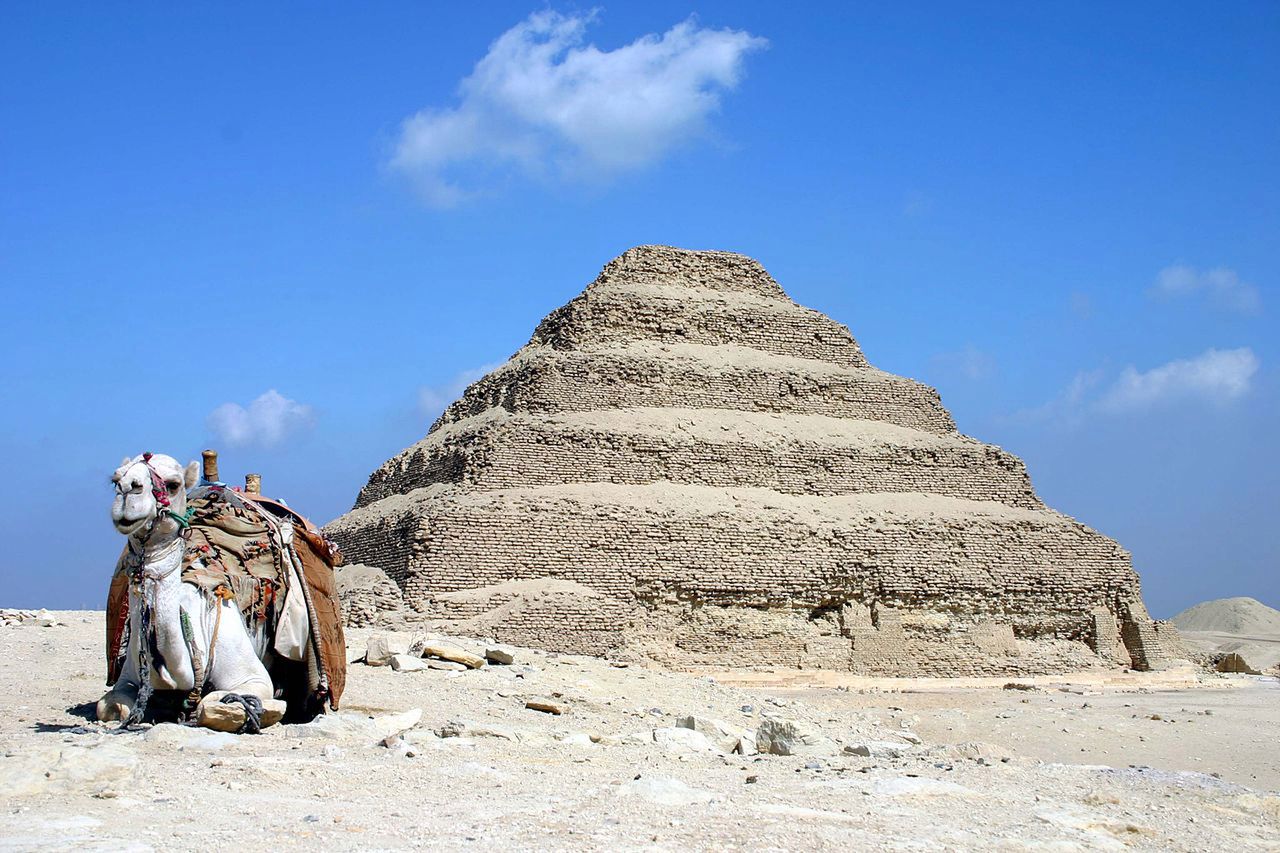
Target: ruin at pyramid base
{"x":684,"y":466}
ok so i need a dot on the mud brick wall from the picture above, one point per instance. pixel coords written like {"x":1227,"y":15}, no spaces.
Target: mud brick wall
{"x":683,"y":464}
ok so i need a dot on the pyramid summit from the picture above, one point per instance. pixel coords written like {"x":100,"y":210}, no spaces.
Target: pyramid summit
{"x":686,"y":466}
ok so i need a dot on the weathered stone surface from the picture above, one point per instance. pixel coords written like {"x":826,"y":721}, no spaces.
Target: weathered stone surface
{"x":500,"y":655}
{"x":775,"y":736}
{"x":445,"y":665}
{"x":682,"y":741}
{"x":877,"y":749}
{"x":723,"y":736}
{"x":407,"y":663}
{"x":67,"y":769}
{"x":547,"y":706}
{"x":383,"y":647}
{"x":685,"y":462}
{"x":183,"y":738}
{"x":445,"y":651}
{"x":367,"y":596}
{"x":664,"y":791}
{"x":224,"y":717}
{"x":354,"y":727}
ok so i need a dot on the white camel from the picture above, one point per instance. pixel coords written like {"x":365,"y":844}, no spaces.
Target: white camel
{"x":150,"y":509}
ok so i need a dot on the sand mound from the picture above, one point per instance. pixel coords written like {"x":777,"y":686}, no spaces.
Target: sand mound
{"x":1246,"y":616}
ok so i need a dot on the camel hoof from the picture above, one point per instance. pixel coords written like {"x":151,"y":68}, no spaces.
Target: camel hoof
{"x":112,"y":707}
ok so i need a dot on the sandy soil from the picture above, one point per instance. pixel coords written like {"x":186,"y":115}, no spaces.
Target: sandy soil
{"x":1075,"y":763}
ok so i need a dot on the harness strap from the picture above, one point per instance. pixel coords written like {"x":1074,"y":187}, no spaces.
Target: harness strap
{"x":197,"y":662}
{"x":223,"y":595}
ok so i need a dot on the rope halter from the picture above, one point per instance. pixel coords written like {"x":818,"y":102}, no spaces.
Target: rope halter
{"x":161,"y":495}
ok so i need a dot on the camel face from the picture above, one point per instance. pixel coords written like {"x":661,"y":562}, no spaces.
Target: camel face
{"x":136,"y":504}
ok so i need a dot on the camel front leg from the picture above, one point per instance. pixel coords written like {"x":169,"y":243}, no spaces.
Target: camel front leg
{"x":117,"y":703}
{"x":237,"y":672}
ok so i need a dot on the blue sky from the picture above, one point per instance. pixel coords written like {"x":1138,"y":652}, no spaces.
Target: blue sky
{"x":1067,"y":218}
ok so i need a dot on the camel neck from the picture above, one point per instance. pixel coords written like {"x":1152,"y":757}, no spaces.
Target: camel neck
{"x":160,"y":553}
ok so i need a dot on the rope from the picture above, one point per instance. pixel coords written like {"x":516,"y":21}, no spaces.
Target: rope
{"x":252,"y":711}
{"x":183,"y":518}
{"x":145,"y":639}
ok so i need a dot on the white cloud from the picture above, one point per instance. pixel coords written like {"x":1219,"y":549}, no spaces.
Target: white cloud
{"x":543,"y":103}
{"x":1215,"y":376}
{"x":432,"y":399}
{"x":1221,"y":286}
{"x":265,"y":422}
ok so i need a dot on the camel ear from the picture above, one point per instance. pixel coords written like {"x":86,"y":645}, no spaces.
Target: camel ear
{"x":125,"y":461}
{"x":192,"y":474}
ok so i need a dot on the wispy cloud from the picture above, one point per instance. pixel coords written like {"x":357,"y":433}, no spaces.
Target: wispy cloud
{"x":1221,"y":286}
{"x":1214,"y":377}
{"x":968,"y":362}
{"x":265,"y":422}
{"x":544,"y":103}
{"x":432,"y":399}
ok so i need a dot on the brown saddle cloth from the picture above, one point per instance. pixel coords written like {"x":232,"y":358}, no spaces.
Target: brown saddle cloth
{"x":235,"y":550}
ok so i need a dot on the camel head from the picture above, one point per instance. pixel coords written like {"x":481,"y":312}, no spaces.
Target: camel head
{"x":151,"y":493}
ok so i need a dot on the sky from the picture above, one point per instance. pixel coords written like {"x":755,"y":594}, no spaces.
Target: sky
{"x":296,"y":231}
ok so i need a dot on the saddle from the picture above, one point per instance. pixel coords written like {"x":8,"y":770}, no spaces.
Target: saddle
{"x":247,"y":549}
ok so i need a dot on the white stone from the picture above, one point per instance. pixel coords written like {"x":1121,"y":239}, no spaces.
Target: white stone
{"x":215,"y":714}
{"x":664,"y":791}
{"x":382,"y":647}
{"x":776,"y":736}
{"x":680,"y":741}
{"x":721,"y":734}
{"x":407,"y":663}
{"x":912,"y":786}
{"x":182,"y":738}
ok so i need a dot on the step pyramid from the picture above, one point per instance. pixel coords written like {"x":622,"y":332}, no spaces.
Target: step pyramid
{"x":686,"y":466}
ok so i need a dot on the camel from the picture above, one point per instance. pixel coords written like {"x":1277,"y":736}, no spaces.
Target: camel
{"x":189,"y":638}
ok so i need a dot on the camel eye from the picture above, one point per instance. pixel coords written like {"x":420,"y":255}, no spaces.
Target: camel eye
{"x":173,"y":487}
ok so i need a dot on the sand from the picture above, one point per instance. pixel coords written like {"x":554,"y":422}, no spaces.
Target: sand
{"x":1178,"y":760}
{"x":1243,"y":626}
{"x":1243,"y":616}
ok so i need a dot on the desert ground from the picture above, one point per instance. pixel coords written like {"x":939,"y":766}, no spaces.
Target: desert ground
{"x":442,"y":758}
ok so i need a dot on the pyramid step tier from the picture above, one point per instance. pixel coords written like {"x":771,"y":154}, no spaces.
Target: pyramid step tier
{"x":794,"y":454}
{"x":540,"y":379}
{"x":609,"y":315}
{"x":668,"y":266}
{"x":947,"y":563}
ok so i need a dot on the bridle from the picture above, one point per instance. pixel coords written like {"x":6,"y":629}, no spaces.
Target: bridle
{"x":164,"y":507}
